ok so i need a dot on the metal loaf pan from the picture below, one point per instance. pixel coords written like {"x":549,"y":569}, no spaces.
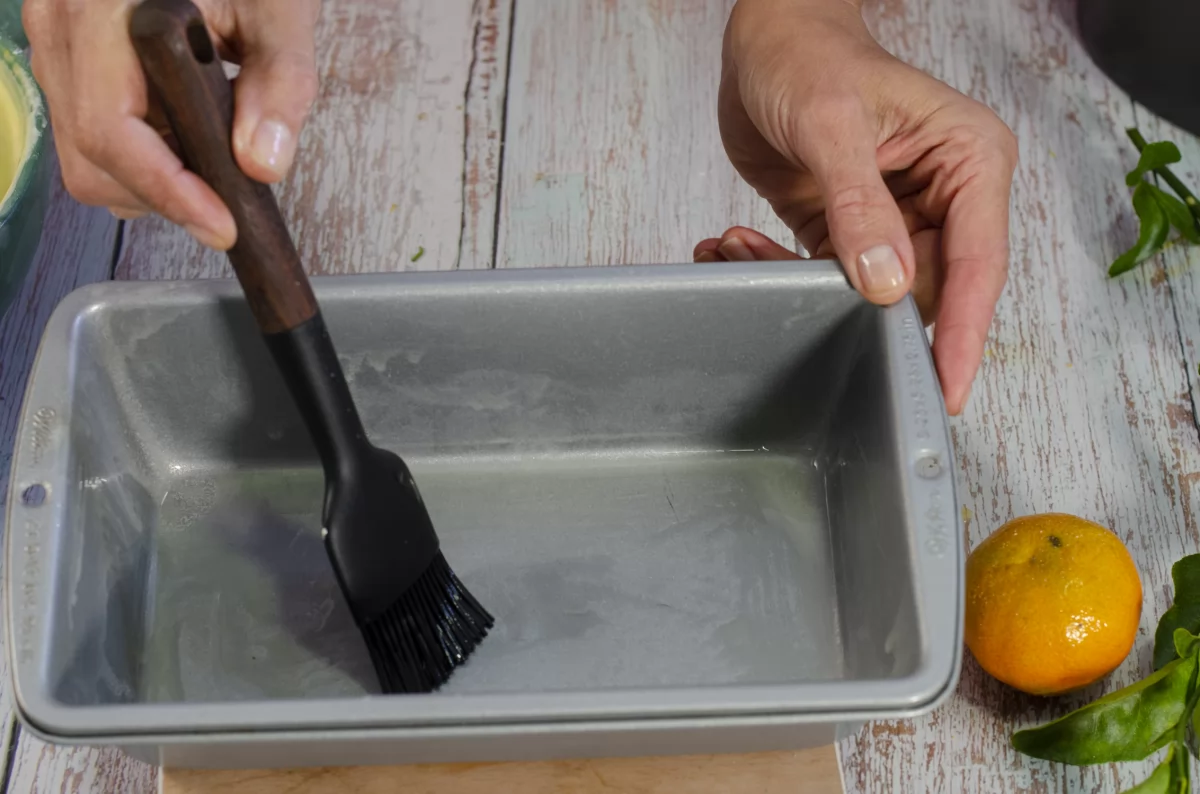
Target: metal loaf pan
{"x":711,"y":506}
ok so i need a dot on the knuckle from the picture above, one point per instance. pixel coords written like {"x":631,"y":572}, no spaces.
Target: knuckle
{"x":992,"y":134}
{"x":89,"y":140}
{"x":855,"y":201}
{"x":81,"y":182}
{"x":158,"y":190}
{"x":306,"y":86}
{"x":35,"y":16}
{"x":987,"y":146}
{"x":94,"y":134}
{"x":986,"y":271}
{"x":976,"y":134}
{"x":165,"y":204}
{"x":1008,"y":145}
{"x":299,"y":75}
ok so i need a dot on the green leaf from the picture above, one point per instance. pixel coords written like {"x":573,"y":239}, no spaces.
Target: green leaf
{"x":1184,"y":612}
{"x":1177,"y":214}
{"x":1155,"y":155}
{"x":1152,"y":235}
{"x":1185,"y":732}
{"x":1159,"y":781}
{"x":1126,"y":725}
{"x":1185,"y":642}
{"x":1165,"y":777}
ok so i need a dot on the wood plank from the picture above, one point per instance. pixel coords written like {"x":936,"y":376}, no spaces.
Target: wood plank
{"x":1179,"y":274}
{"x":483,"y":148}
{"x":813,"y":771}
{"x":1082,"y":405}
{"x":39,"y":767}
{"x":398,"y":161}
{"x":612,"y":153}
{"x":77,"y":251}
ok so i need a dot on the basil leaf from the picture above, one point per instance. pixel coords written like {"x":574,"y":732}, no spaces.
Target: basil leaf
{"x":1155,"y":155}
{"x":1126,"y":725}
{"x":1152,"y":235}
{"x":1184,"y":612}
{"x":1177,"y":214}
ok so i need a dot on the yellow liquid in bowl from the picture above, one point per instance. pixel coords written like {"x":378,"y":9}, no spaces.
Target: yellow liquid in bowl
{"x":13,"y":127}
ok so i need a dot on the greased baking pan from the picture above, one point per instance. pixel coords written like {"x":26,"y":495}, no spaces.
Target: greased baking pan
{"x":712,"y":507}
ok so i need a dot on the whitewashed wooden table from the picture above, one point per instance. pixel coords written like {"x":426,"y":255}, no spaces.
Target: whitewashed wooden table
{"x":496,"y":133}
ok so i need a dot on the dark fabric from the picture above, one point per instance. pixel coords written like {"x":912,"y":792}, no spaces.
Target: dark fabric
{"x":1149,"y":48}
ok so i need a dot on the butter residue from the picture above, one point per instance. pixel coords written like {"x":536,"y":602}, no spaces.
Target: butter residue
{"x":21,"y":120}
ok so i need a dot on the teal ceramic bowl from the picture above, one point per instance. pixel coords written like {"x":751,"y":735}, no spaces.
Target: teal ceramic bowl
{"x":23,"y":200}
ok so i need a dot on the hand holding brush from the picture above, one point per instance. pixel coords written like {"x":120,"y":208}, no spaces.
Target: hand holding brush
{"x":417,"y":618}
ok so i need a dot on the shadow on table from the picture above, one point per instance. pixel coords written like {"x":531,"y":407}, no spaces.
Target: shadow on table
{"x":1013,"y":709}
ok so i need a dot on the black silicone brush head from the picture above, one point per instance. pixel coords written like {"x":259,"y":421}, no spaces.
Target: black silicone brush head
{"x":429,"y":631}
{"x":418,"y":620}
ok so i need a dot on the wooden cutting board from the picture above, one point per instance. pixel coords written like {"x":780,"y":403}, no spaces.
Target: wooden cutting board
{"x":813,"y":771}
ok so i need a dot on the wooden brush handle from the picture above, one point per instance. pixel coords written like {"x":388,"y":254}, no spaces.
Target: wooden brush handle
{"x":186,"y":77}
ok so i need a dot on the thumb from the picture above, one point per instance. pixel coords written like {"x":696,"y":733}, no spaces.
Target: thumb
{"x":274,"y":91}
{"x":865,"y":225}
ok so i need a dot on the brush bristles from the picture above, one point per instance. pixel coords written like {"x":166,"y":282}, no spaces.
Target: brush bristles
{"x":427,"y":632}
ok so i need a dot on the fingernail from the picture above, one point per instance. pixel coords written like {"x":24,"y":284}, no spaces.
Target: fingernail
{"x":706,"y":256}
{"x":880,"y":270}
{"x":206,"y":237}
{"x":271,"y":146}
{"x":735,"y":250}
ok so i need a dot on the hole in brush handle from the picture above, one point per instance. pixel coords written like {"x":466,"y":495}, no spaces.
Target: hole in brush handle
{"x":200,"y":42}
